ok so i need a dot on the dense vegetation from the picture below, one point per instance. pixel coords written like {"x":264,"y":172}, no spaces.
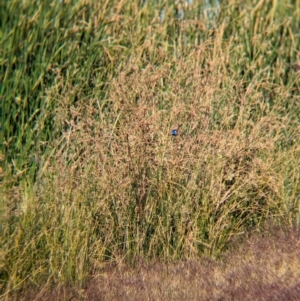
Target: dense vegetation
{"x":89,"y":93}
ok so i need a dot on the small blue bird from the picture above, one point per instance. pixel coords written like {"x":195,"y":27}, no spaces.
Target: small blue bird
{"x":174,"y":132}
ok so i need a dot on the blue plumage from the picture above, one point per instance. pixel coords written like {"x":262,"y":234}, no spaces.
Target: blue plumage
{"x":174,"y":132}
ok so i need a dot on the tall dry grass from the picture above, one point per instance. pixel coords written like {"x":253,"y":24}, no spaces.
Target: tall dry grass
{"x":91,"y":172}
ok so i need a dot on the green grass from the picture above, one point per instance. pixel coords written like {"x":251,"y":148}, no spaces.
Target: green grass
{"x":89,"y":93}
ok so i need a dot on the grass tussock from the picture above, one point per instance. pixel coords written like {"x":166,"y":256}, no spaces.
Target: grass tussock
{"x":90,"y":173}
{"x":187,"y":193}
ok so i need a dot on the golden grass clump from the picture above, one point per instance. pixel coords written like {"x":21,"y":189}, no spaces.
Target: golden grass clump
{"x":150,"y":194}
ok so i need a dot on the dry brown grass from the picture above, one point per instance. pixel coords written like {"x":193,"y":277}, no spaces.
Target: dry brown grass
{"x":117,"y":186}
{"x":91,"y":175}
{"x":151,"y":193}
{"x":262,"y":267}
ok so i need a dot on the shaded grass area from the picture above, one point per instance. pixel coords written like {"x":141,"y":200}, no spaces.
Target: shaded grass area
{"x":261,"y":267}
